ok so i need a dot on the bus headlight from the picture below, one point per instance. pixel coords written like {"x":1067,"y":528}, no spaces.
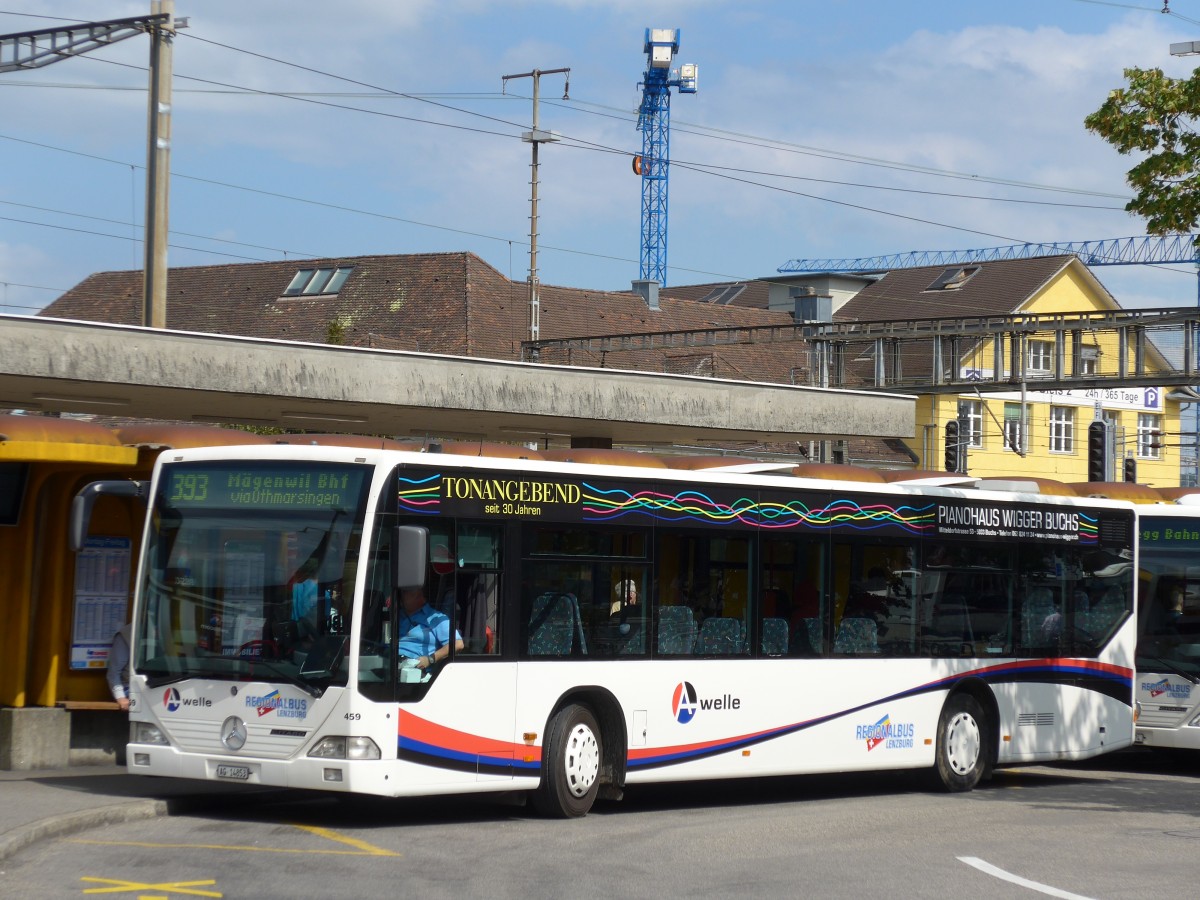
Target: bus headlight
{"x":146,"y":733}
{"x":338,"y":747}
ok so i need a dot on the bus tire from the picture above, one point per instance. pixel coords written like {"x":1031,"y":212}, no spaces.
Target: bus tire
{"x":962,"y":741}
{"x":571,"y":756}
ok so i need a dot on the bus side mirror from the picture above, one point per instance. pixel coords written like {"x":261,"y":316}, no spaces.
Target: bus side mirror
{"x":81,"y":506}
{"x":409,"y":545}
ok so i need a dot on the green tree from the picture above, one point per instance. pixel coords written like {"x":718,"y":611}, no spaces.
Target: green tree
{"x":1157,"y":116}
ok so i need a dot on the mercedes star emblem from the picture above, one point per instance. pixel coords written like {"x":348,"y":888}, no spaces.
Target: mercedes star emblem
{"x":233,"y":733}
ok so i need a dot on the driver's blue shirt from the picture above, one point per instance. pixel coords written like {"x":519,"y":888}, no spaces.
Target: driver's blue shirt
{"x":423,"y":632}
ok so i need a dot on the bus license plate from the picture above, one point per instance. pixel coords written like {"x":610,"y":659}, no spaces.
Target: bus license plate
{"x":238,"y":773}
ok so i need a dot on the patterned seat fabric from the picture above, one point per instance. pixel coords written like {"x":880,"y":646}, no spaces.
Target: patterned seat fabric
{"x":554,"y":625}
{"x":720,"y":636}
{"x":856,"y":635}
{"x":676,"y":629}
{"x":1106,"y":612}
{"x":1038,"y":605}
{"x":812,"y":627}
{"x":774,"y":637}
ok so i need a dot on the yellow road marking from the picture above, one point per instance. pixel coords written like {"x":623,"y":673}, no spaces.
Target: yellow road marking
{"x":368,"y":849}
{"x":361,"y":848}
{"x":116,"y":885}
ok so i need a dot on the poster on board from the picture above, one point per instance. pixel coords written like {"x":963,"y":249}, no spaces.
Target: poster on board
{"x":101,"y":599}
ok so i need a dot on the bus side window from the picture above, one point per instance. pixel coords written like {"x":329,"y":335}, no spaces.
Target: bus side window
{"x":476,"y":613}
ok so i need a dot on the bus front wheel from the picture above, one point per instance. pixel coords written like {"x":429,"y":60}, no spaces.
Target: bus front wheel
{"x":962,"y":737}
{"x":571,"y":757}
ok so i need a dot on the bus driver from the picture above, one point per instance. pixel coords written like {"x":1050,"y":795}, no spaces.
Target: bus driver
{"x":424,"y":632}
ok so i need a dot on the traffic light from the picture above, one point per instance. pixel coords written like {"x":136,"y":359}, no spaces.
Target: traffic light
{"x":1130,"y":468}
{"x":1097,"y":451}
{"x":953,"y":446}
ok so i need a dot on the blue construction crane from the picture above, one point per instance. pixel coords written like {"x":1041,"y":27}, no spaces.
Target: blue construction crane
{"x":1130,"y":251}
{"x":654,"y":122}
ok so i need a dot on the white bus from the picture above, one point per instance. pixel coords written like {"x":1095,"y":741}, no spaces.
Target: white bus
{"x":1168,"y":650}
{"x":619,"y":624}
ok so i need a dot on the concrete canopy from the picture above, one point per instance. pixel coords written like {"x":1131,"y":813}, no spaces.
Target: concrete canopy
{"x":71,"y":366}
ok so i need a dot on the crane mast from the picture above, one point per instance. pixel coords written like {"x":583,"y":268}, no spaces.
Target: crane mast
{"x":654,"y":122}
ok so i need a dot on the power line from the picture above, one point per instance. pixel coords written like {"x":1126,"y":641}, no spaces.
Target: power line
{"x":722,"y":134}
{"x":883,"y":212}
{"x":700,"y":131}
{"x":36,"y":287}
{"x":203,"y":237}
{"x":700,"y":168}
{"x":736,"y":137}
{"x":580,"y":143}
{"x":122,"y":237}
{"x":713,"y":169}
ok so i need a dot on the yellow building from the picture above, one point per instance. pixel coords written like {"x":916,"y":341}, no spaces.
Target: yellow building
{"x":1021,"y":430}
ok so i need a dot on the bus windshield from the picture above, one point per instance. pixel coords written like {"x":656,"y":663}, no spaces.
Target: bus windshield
{"x":1169,"y":607}
{"x":249,"y":572}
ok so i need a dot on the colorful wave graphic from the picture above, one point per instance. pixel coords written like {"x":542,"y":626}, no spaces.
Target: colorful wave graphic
{"x":422,"y":496}
{"x":600,"y":505}
{"x":1089,"y":529}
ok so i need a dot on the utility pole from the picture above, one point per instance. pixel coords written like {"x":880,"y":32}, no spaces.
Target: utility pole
{"x":158,"y":165}
{"x":46,"y":46}
{"x":536,"y":137}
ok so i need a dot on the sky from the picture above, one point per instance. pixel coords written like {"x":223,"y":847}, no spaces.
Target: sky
{"x":832,"y":129}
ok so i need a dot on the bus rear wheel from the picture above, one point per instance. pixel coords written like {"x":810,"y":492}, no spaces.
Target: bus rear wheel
{"x":962,"y":742}
{"x":571,"y":757}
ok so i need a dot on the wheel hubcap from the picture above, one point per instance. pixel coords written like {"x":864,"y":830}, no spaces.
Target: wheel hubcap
{"x":581,"y":760}
{"x":962,"y":743}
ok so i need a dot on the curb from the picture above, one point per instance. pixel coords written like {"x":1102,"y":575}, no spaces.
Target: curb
{"x":12,"y":842}
{"x":70,"y":823}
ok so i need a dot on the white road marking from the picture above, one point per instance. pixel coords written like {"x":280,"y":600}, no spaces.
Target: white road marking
{"x":988,"y":869}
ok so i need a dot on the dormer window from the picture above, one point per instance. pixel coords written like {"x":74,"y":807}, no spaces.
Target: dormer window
{"x":953,"y":279}
{"x":309,"y":282}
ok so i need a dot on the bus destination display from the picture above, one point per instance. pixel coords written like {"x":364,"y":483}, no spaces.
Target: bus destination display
{"x":264,"y":487}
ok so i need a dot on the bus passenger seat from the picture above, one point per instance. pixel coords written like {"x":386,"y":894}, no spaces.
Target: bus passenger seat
{"x":553,"y":624}
{"x":676,"y":629}
{"x":774,"y":637}
{"x":1039,"y":603}
{"x":720,"y":636}
{"x":856,"y":635}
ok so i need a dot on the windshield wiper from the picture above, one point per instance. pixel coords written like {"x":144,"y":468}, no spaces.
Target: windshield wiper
{"x":312,"y":690}
{"x":154,"y":681}
{"x":1171,"y":667}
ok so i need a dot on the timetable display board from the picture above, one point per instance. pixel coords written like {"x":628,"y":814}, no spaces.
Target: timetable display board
{"x":102,"y":570}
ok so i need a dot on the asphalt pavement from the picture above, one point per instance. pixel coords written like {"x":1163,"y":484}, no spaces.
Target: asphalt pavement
{"x":37,"y":805}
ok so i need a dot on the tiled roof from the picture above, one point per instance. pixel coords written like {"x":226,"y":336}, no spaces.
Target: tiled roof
{"x":436,"y":302}
{"x":998,"y":288}
{"x":455,"y":303}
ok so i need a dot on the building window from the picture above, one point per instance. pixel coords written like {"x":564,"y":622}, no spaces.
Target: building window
{"x":972,"y":412}
{"x":1149,"y":441}
{"x":953,"y":279}
{"x":1062,"y":429}
{"x":308,"y":282}
{"x":1016,"y":430}
{"x":1041,"y":357}
{"x":1088,"y":359}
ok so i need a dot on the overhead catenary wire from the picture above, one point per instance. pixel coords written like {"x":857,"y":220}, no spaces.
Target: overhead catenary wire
{"x":699,"y":168}
{"x":571,"y":142}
